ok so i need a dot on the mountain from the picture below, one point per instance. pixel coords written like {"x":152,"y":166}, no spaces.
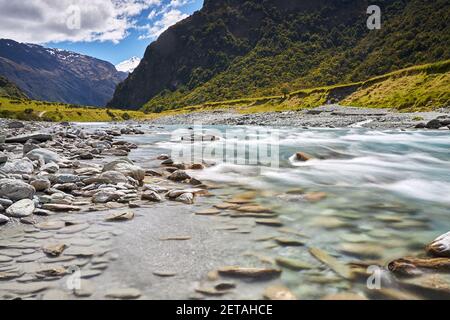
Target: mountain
{"x":129,"y":65}
{"x":58,"y":76}
{"x":234,"y":48}
{"x":10,"y":90}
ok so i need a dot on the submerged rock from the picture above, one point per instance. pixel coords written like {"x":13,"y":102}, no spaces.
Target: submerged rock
{"x":293,"y":264}
{"x":234,"y":271}
{"x":339,"y":268}
{"x":279,"y":293}
{"x":120,"y":216}
{"x":125,"y":294}
{"x":344,"y":296}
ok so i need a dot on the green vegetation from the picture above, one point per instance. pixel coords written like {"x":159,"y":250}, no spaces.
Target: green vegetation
{"x":234,"y":49}
{"x":10,"y":90}
{"x":24,"y":109}
{"x":419,"y":88}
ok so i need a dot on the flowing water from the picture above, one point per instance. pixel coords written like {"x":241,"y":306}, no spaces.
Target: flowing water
{"x":365,"y":197}
{"x":387,"y":192}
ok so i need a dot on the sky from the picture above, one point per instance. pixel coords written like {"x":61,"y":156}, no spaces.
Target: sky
{"x":111,"y":30}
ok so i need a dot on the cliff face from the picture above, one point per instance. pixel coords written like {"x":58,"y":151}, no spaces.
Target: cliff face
{"x":57,"y":75}
{"x":234,"y":48}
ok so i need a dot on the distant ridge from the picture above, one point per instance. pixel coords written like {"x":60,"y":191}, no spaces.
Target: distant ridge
{"x":57,"y":75}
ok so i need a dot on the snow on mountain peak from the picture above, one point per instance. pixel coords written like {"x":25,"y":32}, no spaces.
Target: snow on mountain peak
{"x":128,"y":65}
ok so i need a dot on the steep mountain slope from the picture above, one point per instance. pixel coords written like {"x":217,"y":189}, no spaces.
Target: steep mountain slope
{"x":57,"y":75}
{"x":10,"y":90}
{"x":235,"y":48}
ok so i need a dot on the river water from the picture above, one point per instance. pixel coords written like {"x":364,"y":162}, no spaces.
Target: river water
{"x":366,"y":197}
{"x":387,"y":192}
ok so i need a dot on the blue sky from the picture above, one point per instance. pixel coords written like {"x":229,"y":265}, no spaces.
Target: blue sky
{"x":111,"y":30}
{"x":132,"y":45}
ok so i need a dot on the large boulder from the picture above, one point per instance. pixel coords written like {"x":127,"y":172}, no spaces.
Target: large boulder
{"x":22,"y":208}
{"x":127,"y":168}
{"x":21,"y":166}
{"x":434,"y":124}
{"x":47,"y":155}
{"x":15,"y":190}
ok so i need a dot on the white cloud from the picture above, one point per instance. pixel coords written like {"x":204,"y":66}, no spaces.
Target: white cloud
{"x":169,"y":17}
{"x":178,"y":3}
{"x":42,"y":21}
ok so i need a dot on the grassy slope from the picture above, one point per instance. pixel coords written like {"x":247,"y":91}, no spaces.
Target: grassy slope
{"x":419,"y":88}
{"x":24,"y":109}
{"x":307,"y":48}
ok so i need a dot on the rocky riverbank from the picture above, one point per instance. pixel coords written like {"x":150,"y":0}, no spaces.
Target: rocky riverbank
{"x":332,"y":116}
{"x":79,"y":220}
{"x":51,"y":176}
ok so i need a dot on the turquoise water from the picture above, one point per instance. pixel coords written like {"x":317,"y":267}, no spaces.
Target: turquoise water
{"x":387,"y":192}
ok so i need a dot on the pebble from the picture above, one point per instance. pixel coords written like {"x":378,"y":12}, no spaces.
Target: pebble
{"x":208,"y":212}
{"x":258,"y":273}
{"x":289,"y":242}
{"x":164,"y":274}
{"x":293,"y":264}
{"x":338,"y":267}
{"x":123,"y":293}
{"x":278,"y":293}
{"x":120,"y":216}
{"x":269,"y":222}
{"x":51,"y":225}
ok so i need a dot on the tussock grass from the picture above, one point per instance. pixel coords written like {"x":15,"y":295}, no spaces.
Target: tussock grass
{"x":24,"y":109}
